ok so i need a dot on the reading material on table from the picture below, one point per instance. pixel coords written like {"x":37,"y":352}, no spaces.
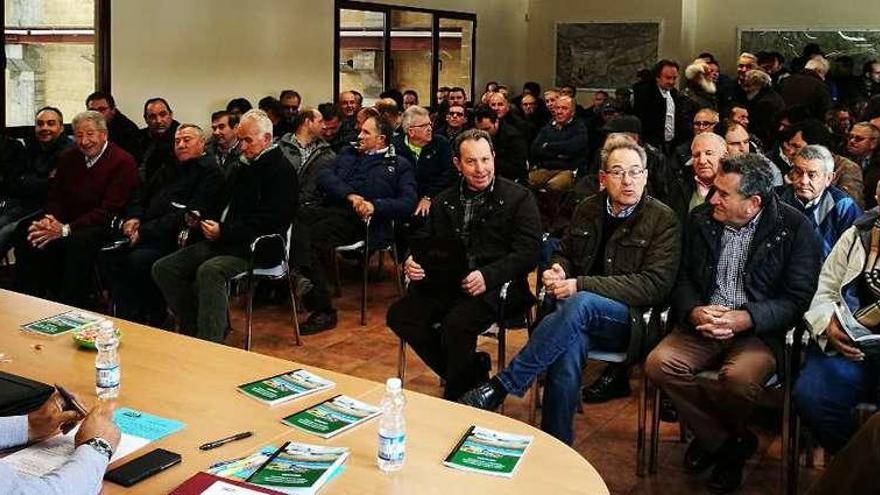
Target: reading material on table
{"x":332,"y":416}
{"x":300,"y":468}
{"x":209,"y":484}
{"x":63,"y":323}
{"x":285,"y":387}
{"x":138,"y":429}
{"x":486,"y":451}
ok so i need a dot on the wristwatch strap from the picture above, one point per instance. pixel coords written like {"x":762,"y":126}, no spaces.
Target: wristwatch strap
{"x":101,"y":446}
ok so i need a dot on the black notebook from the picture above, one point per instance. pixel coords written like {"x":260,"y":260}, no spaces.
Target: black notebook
{"x":443,"y":259}
{"x":19,"y":395}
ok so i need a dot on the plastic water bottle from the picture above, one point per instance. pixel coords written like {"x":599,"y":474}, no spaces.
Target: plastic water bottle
{"x":392,"y":428}
{"x":107,"y":362}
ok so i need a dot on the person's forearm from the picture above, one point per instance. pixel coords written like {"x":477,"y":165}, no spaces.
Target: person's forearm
{"x":81,"y":475}
{"x":13,"y":431}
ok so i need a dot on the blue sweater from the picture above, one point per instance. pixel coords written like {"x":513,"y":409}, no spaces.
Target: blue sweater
{"x":830,"y":216}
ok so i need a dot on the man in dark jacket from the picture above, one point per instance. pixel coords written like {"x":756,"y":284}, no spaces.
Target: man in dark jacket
{"x":162,"y":217}
{"x":430,"y":155}
{"x":122,"y":130}
{"x":749,"y":269}
{"x":157,"y":139}
{"x":764,"y":105}
{"x":223,"y":148}
{"x":262,"y":200}
{"x":808,"y":89}
{"x":495,"y":221}
{"x":511,"y":148}
{"x":618,"y":258}
{"x":657,"y":105}
{"x":26,"y":171}
{"x":559,"y":150}
{"x":56,"y":254}
{"x":367,"y":187}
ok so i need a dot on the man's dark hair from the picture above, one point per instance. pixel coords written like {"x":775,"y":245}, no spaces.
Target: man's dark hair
{"x":394,"y":94}
{"x":383,"y":127}
{"x":490,"y":83}
{"x":51,"y":109}
{"x":458,"y":89}
{"x":219,"y":114}
{"x":484,"y":112}
{"x":708,"y":57}
{"x":304,"y":115}
{"x":571,"y":87}
{"x":533,"y":87}
{"x":659,"y":66}
{"x":329,"y":111}
{"x":156,"y":99}
{"x":443,"y":89}
{"x":813,"y":132}
{"x":811,"y":49}
{"x":872,"y":109}
{"x":868,"y":66}
{"x":471,"y":135}
{"x":757,"y":179}
{"x":240,"y":103}
{"x":101,"y":95}
{"x":288,"y":93}
{"x":270,"y":104}
{"x":602,"y":92}
{"x":411,"y":92}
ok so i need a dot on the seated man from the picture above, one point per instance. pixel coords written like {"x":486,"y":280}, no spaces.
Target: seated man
{"x":497,"y":223}
{"x":56,"y":254}
{"x":157,"y":139}
{"x":456,"y":121}
{"x":120,"y":129}
{"x":223,"y":147}
{"x":510,"y":145}
{"x":155,"y":227}
{"x":837,"y":373}
{"x":83,"y":473}
{"x":749,"y":269}
{"x":559,"y":150}
{"x":26,"y":175}
{"x":830,"y":210}
{"x":262,"y":199}
{"x":430,"y":155}
{"x":618,"y":257}
{"x":739,"y":143}
{"x":367,"y":183}
{"x":690,"y":188}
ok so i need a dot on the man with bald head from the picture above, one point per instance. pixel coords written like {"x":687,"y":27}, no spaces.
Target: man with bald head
{"x":154,"y":227}
{"x":559,"y":149}
{"x":693,"y":184}
{"x":349,"y":105}
{"x":56,"y":253}
{"x":262,"y":200}
{"x":157,"y":139}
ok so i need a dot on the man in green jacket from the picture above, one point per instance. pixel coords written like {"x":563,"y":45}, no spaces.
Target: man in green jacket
{"x":619,"y":257}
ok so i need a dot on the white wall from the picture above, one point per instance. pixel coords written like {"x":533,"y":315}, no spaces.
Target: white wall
{"x":200,"y":53}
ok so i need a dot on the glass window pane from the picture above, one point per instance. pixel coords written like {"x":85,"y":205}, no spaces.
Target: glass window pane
{"x":456,"y":41}
{"x":56,"y":13}
{"x":362,"y":52}
{"x":57,"y":74}
{"x":411,"y":49}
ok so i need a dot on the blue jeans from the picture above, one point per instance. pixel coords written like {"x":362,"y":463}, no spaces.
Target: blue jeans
{"x":826,"y":391}
{"x":559,"y":345}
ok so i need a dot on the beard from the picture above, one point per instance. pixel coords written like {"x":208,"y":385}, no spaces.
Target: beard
{"x":707,"y":85}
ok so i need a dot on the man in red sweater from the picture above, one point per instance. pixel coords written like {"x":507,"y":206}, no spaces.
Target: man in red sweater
{"x":57,"y":252}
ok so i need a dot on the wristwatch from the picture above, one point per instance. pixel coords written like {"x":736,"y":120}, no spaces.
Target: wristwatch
{"x":101,"y":446}
{"x":65,"y":230}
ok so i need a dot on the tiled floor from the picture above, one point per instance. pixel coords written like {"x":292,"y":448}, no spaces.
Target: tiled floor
{"x":605,"y":433}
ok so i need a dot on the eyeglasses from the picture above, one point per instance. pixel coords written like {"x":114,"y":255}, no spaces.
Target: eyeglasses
{"x":455,"y":114}
{"x":858,"y":139}
{"x":426,"y":124}
{"x":797,"y":174}
{"x":704,"y":123}
{"x":633,"y":173}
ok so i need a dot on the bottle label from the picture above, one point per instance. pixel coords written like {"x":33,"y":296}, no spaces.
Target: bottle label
{"x":107,"y":377}
{"x":392,"y":449}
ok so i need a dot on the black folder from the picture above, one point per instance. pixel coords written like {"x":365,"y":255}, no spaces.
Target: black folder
{"x":443,"y":259}
{"x":19,"y":395}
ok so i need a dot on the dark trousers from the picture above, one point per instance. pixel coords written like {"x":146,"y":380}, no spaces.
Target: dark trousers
{"x":322,"y":230}
{"x":448,"y":349}
{"x":63,"y":270}
{"x":194,"y":281}
{"x":134,"y":293}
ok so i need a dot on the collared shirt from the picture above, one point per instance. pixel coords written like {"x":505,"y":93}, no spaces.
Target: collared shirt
{"x":729,"y":278}
{"x":472,"y":202}
{"x":377,"y":152}
{"x":624,"y":213}
{"x":305,"y":151}
{"x":222,"y":155}
{"x":417,"y":150}
{"x":669,"y":125}
{"x":90,"y":162}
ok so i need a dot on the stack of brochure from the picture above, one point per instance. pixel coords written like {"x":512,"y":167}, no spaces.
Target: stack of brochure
{"x":333,"y":416}
{"x":285,"y":387}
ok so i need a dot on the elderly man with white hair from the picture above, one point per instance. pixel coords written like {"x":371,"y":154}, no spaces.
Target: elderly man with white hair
{"x":830,"y":210}
{"x":699,"y":92}
{"x":429,"y":153}
{"x":262,"y":200}
{"x":808,"y":89}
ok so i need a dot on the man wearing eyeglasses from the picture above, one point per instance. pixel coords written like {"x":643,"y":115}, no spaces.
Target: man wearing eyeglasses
{"x":456,"y":122}
{"x":618,"y":257}
{"x":705,"y":120}
{"x":430,"y":154}
{"x":861,"y":144}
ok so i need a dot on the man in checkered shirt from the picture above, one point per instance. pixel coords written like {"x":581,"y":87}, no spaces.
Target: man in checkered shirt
{"x":749,"y":270}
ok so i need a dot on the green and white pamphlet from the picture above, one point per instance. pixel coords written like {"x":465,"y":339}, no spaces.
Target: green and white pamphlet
{"x":486,"y":451}
{"x":74,"y":320}
{"x":300,"y":468}
{"x":285,"y":387}
{"x":333,"y":416}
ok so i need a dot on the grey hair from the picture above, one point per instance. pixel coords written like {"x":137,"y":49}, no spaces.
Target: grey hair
{"x":757,"y":78}
{"x":873,"y":129}
{"x":711,"y":136}
{"x":411,"y":114}
{"x":618,"y":143}
{"x":198,"y":129}
{"x":817,"y":152}
{"x":260,"y":119}
{"x":91,"y":116}
{"x":818,"y":63}
{"x":757,"y":179}
{"x":748,"y":55}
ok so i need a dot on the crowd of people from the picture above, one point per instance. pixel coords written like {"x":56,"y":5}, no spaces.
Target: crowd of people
{"x":745,"y":203}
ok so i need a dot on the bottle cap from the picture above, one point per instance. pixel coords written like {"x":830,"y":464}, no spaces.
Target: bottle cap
{"x":105,"y":324}
{"x":393,"y":385}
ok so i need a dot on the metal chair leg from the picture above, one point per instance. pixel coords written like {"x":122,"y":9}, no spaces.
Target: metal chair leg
{"x":336,"y":278}
{"x":502,"y":352}
{"x":252,"y":286}
{"x":293,"y":310}
{"x":401,"y":361}
{"x":655,"y":428}
{"x":364,"y":286}
{"x":398,"y":281}
{"x":640,"y":436}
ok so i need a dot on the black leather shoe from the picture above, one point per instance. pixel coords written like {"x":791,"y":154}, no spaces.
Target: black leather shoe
{"x":613,"y":383}
{"x":727,"y":475}
{"x":483,"y":397}
{"x":668,"y":413}
{"x":697,"y":459}
{"x":317,"y":322}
